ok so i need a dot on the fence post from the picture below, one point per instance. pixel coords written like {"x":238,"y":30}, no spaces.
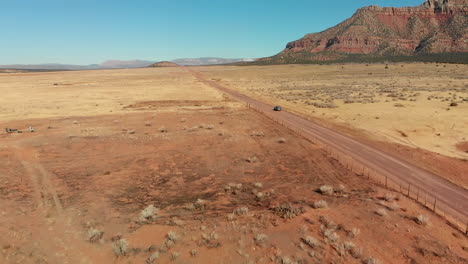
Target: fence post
{"x":417,"y":195}
{"x":409,"y":186}
{"x":435,"y":203}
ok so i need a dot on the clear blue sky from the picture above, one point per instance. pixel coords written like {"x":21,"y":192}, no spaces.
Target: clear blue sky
{"x":92,"y":31}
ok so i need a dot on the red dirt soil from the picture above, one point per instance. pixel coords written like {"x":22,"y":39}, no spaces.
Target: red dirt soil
{"x":100,"y":172}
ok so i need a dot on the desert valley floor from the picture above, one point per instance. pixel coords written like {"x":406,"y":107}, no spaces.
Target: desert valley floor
{"x":154,"y":166}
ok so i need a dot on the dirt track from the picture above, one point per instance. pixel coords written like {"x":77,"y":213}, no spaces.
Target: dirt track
{"x":451,"y":199}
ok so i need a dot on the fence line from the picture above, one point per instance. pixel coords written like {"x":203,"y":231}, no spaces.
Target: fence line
{"x":398,"y":185}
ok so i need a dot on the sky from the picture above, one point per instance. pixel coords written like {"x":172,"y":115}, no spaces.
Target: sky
{"x":92,"y":31}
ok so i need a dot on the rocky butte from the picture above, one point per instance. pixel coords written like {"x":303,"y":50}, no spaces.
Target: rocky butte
{"x":436,"y":26}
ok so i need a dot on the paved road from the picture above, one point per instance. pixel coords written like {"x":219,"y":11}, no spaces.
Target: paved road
{"x":451,"y":199}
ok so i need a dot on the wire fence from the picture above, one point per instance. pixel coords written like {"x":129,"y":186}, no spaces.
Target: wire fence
{"x":384,"y":179}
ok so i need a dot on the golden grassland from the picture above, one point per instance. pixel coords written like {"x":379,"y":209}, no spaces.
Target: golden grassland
{"x":88,"y":93}
{"x":405,"y":103}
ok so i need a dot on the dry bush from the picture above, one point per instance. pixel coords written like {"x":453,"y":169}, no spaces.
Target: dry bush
{"x":288,"y":211}
{"x":151,"y":259}
{"x":348,"y":245}
{"x":241,"y":211}
{"x":148,"y":214}
{"x":258,"y":185}
{"x":173,"y":236}
{"x":193,"y":252}
{"x":257,"y":134}
{"x":356,"y":252}
{"x":371,"y":260}
{"x":381,"y":212}
{"x":422,"y":220}
{"x":341,"y":188}
{"x":388,"y":197}
{"x":354,"y":232}
{"x":200,"y":204}
{"x":259,"y":195}
{"x":120,"y":247}
{"x":175,"y":255}
{"x":393,"y":206}
{"x":331,"y":235}
{"x":260,"y":239}
{"x":251,"y":159}
{"x":326,"y":189}
{"x":310,"y":241}
{"x":94,"y":235}
{"x":163,"y":129}
{"x":281,"y":140}
{"x":320,"y":204}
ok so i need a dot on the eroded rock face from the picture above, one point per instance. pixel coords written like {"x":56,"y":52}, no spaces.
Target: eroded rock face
{"x":433,"y":27}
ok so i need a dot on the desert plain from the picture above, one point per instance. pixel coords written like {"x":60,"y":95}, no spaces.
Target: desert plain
{"x":154,"y":166}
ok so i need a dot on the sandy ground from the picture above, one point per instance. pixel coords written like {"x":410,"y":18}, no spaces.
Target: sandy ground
{"x":407,"y":104}
{"x":231,"y":186}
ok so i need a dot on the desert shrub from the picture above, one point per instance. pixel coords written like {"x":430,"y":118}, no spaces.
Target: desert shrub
{"x":259,"y":195}
{"x":287,"y":211}
{"x":260,"y":239}
{"x":371,"y":260}
{"x":381,"y":212}
{"x":94,"y":234}
{"x":326,"y":189}
{"x":422,"y":220}
{"x":393,"y":206}
{"x":388,"y":197}
{"x":354,"y":232}
{"x":151,"y":259}
{"x":241,"y":211}
{"x":453,"y":104}
{"x":120,"y":247}
{"x":193,"y":252}
{"x":251,"y":159}
{"x":310,"y":241}
{"x":331,"y":235}
{"x":257,"y":134}
{"x":175,"y":255}
{"x":348,"y":245}
{"x":148,"y":214}
{"x":398,"y":105}
{"x":173,"y":236}
{"x":341,"y":188}
{"x":356,"y":252}
{"x":320,"y":204}
{"x":163,"y":129}
{"x":209,"y":127}
{"x":200,"y":204}
{"x":258,"y":185}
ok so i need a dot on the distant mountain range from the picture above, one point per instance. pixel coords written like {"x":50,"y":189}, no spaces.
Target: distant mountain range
{"x":122,"y":64}
{"x":434,"y":31}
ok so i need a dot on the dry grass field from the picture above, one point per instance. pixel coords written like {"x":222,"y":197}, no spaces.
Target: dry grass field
{"x":85,"y":93}
{"x":152,"y":166}
{"x":419,"y":105}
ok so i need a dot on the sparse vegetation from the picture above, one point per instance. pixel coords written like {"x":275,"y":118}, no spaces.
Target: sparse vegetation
{"x":320,"y":204}
{"x":120,"y":247}
{"x":148,"y":214}
{"x":94,"y":235}
{"x":422,"y":220}
{"x":326,"y":189}
{"x":381,"y":212}
{"x":310,"y":241}
{"x":261,"y":239}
